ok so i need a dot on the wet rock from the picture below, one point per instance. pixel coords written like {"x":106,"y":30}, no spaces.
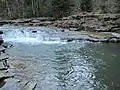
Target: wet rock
{"x":10,"y":84}
{"x":4,"y":76}
{"x":12,"y":80}
{"x":2,"y":83}
{"x":67,"y":18}
{"x":116,"y":30}
{"x":1,"y":69}
{"x":94,"y":37}
{"x":34,"y":31}
{"x":62,"y":30}
{"x":30,"y":86}
{"x":45,"y":19}
{"x":116,"y":35}
{"x":114,"y":40}
{"x":35,"y":21}
{"x":21,"y":21}
{"x":45,"y":23}
{"x":2,"y":50}
{"x":70,"y":40}
{"x":23,"y":83}
{"x":7,"y":45}
{"x":74,"y":29}
{"x":117,"y":21}
{"x":84,"y":15}
{"x":4,"y":57}
{"x":2,"y":22}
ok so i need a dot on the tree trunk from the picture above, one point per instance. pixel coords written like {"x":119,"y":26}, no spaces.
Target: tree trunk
{"x":8,"y":9}
{"x":33,"y":11}
{"x":23,"y":13}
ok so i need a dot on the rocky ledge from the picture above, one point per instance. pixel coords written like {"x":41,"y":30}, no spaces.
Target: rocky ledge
{"x":107,"y":37}
{"x":93,"y":24}
{"x":18,"y":76}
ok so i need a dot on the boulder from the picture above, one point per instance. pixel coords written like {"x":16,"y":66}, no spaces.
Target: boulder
{"x":117,"y":21}
{"x":30,"y":86}
{"x":4,"y":76}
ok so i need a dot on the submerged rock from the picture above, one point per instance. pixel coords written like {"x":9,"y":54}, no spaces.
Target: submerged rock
{"x":34,"y":31}
{"x":70,"y":40}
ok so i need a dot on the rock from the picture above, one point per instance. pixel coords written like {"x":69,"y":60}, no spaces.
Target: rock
{"x":10,"y":84}
{"x":62,"y":30}
{"x":21,"y":20}
{"x":114,"y":40}
{"x":116,"y":35}
{"x":84,"y":15}
{"x":7,"y":45}
{"x":74,"y":29}
{"x":30,"y":86}
{"x":45,"y":19}
{"x":35,"y":21}
{"x":13,"y":80}
{"x":67,"y":18}
{"x":2,"y":50}
{"x":35,"y":24}
{"x":93,"y":37}
{"x":117,"y":21}
{"x":68,"y":24}
{"x":4,"y":76}
{"x":24,"y":83}
{"x":1,"y":69}
{"x":70,"y":40}
{"x":34,"y":31}
{"x":115,"y":30}
{"x":4,"y":57}
{"x":2,"y":83}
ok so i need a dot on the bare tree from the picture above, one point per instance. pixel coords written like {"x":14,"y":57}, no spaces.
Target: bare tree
{"x":8,"y":9}
{"x":33,"y":10}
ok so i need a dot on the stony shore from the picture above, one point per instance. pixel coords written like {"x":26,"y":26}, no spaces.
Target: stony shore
{"x":92,"y":27}
{"x":19,"y":75}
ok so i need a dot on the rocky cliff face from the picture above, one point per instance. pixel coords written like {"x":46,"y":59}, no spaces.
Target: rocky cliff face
{"x":91,"y":22}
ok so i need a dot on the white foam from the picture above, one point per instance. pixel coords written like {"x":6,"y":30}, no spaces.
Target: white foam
{"x":27,"y":37}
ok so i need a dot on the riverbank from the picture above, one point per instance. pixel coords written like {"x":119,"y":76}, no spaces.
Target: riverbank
{"x":96,"y":27}
{"x":19,"y":76}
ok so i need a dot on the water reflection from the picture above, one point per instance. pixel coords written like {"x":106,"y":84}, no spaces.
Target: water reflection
{"x":73,"y":72}
{"x":105,"y":59}
{"x":63,"y":68}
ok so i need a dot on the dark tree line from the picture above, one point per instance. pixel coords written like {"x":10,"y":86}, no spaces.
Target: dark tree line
{"x":55,"y":8}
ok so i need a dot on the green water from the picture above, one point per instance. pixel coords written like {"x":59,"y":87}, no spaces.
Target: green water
{"x":75,"y":66}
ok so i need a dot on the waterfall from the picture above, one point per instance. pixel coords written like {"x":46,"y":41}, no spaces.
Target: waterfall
{"x":27,"y":36}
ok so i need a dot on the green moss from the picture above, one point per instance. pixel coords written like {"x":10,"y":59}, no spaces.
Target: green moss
{"x":20,"y":66}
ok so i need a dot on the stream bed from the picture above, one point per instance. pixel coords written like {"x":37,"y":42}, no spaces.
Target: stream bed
{"x":60,"y":65}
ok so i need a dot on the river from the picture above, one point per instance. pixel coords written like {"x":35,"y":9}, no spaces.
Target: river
{"x":61,"y":65}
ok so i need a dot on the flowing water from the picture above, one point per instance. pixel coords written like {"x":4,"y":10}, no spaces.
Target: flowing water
{"x":76,"y":65}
